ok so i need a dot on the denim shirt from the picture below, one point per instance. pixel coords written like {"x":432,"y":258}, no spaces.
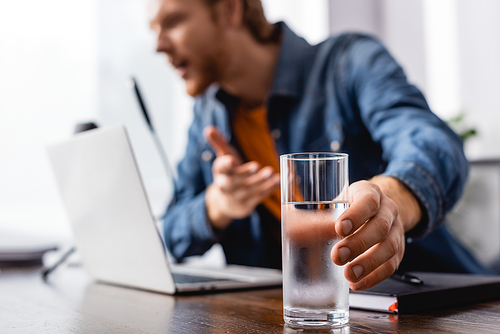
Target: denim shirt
{"x":347,"y":95}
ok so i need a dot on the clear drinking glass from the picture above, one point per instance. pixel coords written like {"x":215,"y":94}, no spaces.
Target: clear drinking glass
{"x":313,"y":195}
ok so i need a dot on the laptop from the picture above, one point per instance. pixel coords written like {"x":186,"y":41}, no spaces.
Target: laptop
{"x":114,"y":228}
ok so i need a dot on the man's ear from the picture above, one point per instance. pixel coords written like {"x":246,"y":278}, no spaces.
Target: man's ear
{"x":230,"y":12}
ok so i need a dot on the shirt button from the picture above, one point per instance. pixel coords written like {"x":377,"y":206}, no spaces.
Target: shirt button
{"x":276,"y":133}
{"x":207,"y":156}
{"x":335,"y":145}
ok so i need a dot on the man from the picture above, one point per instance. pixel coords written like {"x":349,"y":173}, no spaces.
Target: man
{"x":262,"y":91}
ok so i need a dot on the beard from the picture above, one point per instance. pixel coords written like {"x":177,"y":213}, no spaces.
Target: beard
{"x":209,"y":70}
{"x":208,"y":73}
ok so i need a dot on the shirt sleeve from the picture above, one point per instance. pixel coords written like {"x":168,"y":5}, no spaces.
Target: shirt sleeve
{"x":420,"y":149}
{"x":186,"y":228}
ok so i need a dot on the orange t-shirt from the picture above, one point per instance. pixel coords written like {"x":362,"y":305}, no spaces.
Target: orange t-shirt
{"x":252,"y":133}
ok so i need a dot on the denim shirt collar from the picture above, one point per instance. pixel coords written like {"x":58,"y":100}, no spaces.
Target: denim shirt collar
{"x":289,"y":72}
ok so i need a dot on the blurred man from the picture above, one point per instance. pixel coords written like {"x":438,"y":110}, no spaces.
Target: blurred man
{"x":262,"y":91}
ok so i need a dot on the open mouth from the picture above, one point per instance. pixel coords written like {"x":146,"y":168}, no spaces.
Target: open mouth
{"x":181,"y":68}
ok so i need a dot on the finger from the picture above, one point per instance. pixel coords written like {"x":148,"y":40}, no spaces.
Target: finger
{"x":215,"y":139}
{"x":372,"y":232}
{"x":231,"y":178}
{"x":378,"y":263}
{"x":247,"y":169}
{"x":255,"y":180}
{"x":365,"y":203}
{"x":252,"y":186}
{"x":268,"y":187}
{"x":378,"y":275}
{"x":381,"y":273}
{"x":218,"y":143}
{"x":261,"y":190}
{"x":225,"y":164}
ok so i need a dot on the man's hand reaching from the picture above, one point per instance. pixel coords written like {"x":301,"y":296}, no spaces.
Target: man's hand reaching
{"x":374,"y":227}
{"x":238,"y":187}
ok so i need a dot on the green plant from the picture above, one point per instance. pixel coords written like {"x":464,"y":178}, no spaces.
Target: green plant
{"x":457,"y":123}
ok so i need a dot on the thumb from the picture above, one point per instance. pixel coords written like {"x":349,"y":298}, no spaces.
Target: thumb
{"x":219,"y":144}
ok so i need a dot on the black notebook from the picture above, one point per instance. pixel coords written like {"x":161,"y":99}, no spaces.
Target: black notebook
{"x":439,"y":290}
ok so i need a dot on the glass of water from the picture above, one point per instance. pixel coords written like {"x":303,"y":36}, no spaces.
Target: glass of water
{"x":313,"y":195}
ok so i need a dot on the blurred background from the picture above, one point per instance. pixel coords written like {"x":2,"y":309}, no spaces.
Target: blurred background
{"x":65,"y":61}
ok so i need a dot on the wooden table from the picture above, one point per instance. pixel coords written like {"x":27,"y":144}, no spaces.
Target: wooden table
{"x":70,"y":302}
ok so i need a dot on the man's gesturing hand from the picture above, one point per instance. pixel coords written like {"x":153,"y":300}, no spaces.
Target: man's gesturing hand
{"x":238,"y":187}
{"x":374,"y":227}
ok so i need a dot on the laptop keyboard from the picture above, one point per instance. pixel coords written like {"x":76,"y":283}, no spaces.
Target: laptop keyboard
{"x":181,"y":278}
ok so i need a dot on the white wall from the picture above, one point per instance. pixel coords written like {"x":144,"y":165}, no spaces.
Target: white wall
{"x":48,"y":82}
{"x":357,"y":15}
{"x":402,"y":34}
{"x":479,"y":47}
{"x":308,"y":19}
